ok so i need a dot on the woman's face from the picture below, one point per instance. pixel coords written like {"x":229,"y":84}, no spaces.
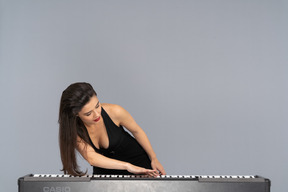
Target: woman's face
{"x":91,"y":112}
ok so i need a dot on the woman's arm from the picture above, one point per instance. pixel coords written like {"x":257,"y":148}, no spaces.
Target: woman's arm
{"x":98,"y":160}
{"x":124,"y":118}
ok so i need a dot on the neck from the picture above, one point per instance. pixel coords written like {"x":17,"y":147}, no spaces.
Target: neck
{"x":94,"y":128}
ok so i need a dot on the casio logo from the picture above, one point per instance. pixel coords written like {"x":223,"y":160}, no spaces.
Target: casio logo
{"x":56,"y":189}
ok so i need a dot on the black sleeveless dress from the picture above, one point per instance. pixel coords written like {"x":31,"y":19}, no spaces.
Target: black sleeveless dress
{"x":122,"y":146}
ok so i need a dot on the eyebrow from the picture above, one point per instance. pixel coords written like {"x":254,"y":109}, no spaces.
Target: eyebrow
{"x":91,"y":110}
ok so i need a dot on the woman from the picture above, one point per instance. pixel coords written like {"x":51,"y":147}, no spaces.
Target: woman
{"x":96,"y":131}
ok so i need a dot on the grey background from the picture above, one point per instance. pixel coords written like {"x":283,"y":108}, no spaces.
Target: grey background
{"x":206,"y":80}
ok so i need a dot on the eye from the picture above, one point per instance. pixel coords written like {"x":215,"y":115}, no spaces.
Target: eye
{"x":87,"y":114}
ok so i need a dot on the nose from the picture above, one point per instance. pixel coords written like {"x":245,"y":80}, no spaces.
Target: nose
{"x":96,"y":114}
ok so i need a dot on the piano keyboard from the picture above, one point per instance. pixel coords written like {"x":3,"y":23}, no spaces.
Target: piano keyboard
{"x":142,"y":183}
{"x":163,"y":177}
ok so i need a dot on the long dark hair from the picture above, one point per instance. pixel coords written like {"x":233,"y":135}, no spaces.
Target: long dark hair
{"x":73,"y":98}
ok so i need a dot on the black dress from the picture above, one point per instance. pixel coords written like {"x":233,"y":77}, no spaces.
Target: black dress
{"x":122,"y":146}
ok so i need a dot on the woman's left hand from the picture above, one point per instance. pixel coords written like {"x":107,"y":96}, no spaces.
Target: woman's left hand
{"x":156,"y":165}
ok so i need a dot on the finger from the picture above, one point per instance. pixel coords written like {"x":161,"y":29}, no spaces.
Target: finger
{"x":152,"y":173}
{"x":155,"y":173}
{"x":162,"y":171}
{"x":159,"y":171}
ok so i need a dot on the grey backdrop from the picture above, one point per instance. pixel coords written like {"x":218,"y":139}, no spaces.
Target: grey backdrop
{"x":207,"y":80}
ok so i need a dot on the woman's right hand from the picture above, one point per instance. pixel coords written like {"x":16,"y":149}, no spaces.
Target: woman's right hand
{"x":141,"y":171}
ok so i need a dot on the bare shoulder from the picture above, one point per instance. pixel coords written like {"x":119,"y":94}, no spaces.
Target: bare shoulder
{"x":112,"y":109}
{"x":115,"y":111}
{"x":120,"y":116}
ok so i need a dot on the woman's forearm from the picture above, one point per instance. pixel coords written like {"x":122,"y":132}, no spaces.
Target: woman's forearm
{"x":143,"y":140}
{"x":108,"y":163}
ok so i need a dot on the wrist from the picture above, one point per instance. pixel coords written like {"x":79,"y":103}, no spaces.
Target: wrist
{"x":153,"y":158}
{"x":127,"y":166}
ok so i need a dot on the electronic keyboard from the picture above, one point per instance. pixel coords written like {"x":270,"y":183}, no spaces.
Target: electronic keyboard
{"x":142,"y":183}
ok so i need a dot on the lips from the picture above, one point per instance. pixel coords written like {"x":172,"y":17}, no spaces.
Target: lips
{"x":96,"y":120}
